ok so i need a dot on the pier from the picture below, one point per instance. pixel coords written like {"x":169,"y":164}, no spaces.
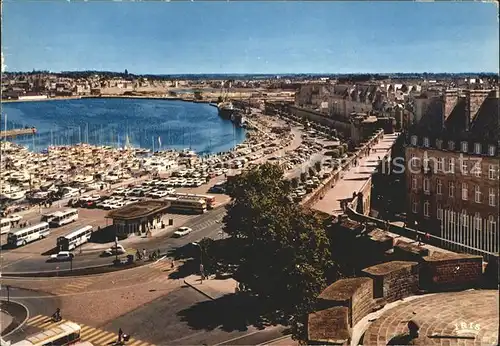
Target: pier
{"x":17,"y":132}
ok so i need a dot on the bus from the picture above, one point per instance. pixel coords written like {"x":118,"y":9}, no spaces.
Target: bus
{"x":187,"y":205}
{"x":67,"y":333}
{"x":74,"y":239}
{"x":4,"y":226}
{"x":28,"y":234}
{"x":64,"y":217}
{"x":49,"y":216}
{"x":209,"y":200}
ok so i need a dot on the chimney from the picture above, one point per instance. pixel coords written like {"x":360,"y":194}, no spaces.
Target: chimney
{"x":474,"y":101}
{"x":450,"y":100}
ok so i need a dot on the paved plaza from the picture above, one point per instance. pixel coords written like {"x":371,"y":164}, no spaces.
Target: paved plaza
{"x":456,"y":318}
{"x":355,"y":177}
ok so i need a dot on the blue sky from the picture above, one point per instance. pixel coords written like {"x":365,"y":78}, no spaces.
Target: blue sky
{"x":250,"y":37}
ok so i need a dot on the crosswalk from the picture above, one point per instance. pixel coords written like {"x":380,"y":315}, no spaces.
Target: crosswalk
{"x":76,"y":286}
{"x":205,"y":224}
{"x":95,"y":336}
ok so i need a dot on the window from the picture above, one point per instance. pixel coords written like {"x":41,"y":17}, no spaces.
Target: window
{"x":465,"y":219}
{"x":451,"y":145}
{"x":452,"y":219}
{"x":491,"y":150}
{"x":477,"y":148}
{"x":440,"y":164}
{"x":439,"y":187}
{"x":439,"y":212}
{"x":477,"y":222}
{"x":439,"y":143}
{"x":426,"y":142}
{"x":476,"y":169}
{"x":492,"y":197}
{"x":414,"y":182}
{"x":451,"y":189}
{"x":426,"y":185}
{"x":413,"y":160}
{"x":413,"y":140}
{"x":477,"y":194}
{"x":426,"y":163}
{"x":492,"y":223}
{"x":464,"y":167}
{"x":464,"y":146}
{"x":465,"y":191}
{"x":426,"y":208}
{"x":492,"y":172}
{"x":414,"y":207}
{"x":451,"y":165}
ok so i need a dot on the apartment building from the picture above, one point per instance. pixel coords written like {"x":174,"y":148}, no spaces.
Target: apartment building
{"x":452,"y":168}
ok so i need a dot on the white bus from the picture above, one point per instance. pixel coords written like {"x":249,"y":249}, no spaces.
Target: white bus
{"x":4,"y":226}
{"x":210,"y":200}
{"x":74,"y":239}
{"x":67,"y":333}
{"x":191,"y":206}
{"x":28,"y":234}
{"x":64,"y":217}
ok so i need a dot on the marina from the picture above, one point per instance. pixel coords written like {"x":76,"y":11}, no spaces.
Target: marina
{"x":64,"y":171}
{"x":150,"y":124}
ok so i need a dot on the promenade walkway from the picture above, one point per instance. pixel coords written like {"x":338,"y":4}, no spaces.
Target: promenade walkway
{"x":355,"y":178}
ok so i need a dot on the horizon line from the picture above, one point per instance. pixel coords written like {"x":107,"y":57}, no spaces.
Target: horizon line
{"x":255,"y":73}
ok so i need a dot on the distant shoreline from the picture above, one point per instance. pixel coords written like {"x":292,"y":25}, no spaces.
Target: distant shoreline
{"x":146,"y":97}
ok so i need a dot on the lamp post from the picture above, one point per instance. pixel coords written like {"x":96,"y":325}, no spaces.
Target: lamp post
{"x":202,"y":269}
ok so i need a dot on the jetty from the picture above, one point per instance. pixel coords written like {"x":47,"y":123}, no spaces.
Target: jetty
{"x":17,"y":132}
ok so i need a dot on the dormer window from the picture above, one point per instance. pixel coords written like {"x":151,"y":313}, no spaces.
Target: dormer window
{"x":477,"y":148}
{"x":426,"y":142}
{"x":439,"y":143}
{"x":464,"y":147}
{"x":413,"y":140}
{"x":491,"y":150}
{"x":451,"y":145}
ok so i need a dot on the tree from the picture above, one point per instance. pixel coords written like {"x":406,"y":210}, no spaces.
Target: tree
{"x":280,"y":251}
{"x":303,"y":177}
{"x":295,"y":182}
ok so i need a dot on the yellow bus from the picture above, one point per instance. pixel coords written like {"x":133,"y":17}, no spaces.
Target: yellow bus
{"x":67,"y":333}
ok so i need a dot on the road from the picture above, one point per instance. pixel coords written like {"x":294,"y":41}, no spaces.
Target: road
{"x":35,"y":305}
{"x":186,"y":317}
{"x":29,"y":258}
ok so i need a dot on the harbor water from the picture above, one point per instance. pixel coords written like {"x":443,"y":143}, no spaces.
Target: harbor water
{"x":144,"y":123}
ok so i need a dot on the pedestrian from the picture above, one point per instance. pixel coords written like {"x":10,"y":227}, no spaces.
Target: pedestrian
{"x":120,"y":334}
{"x":427,"y":237}
{"x":144,"y":253}
{"x":419,"y":240}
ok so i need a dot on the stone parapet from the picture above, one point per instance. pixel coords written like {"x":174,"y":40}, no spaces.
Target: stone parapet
{"x":451,"y":271}
{"x":356,"y":294}
{"x":329,"y":327}
{"x":394,"y":280}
